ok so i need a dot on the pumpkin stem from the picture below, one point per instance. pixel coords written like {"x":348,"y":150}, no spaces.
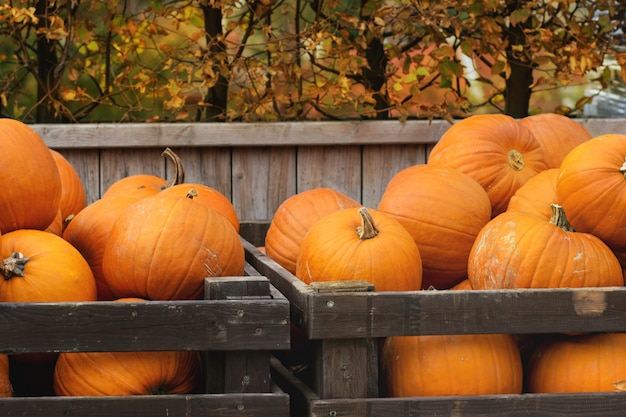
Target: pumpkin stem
{"x":558,"y":218}
{"x":13,"y":266}
{"x":623,"y":168}
{"x":516,"y":159}
{"x":179,"y":172}
{"x":191,"y":193}
{"x":367,"y":230}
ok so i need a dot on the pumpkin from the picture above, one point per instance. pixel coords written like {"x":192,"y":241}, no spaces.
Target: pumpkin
{"x":463,"y":285}
{"x":144,"y":185}
{"x":494,"y":149}
{"x":163,"y":247}
{"x":360,"y":244}
{"x":126,"y":373}
{"x":444,"y":365}
{"x":56,"y":227}
{"x":557,"y":134}
{"x":6,"y":389}
{"x":518,"y":250}
{"x":591,"y":187}
{"x":40,"y":266}
{"x":89,"y":230}
{"x":586,"y":363}
{"x":30,"y":181}
{"x":536,"y":196}
{"x":73,"y":197}
{"x":293,"y":219}
{"x":443,"y":210}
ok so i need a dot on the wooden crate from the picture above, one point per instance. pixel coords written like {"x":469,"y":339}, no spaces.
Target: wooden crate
{"x":237,"y":326}
{"x":345,"y":326}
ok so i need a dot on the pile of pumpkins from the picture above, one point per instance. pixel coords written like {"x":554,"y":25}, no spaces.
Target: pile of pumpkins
{"x":145,"y":239}
{"x":501,"y":203}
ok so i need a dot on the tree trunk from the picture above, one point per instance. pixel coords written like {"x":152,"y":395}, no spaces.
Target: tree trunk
{"x":217,"y":96}
{"x":517,"y":93}
{"x":375,"y":75}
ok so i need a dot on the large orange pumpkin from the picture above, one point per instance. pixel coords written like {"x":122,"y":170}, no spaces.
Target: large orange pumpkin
{"x":451,"y":365}
{"x":519,"y":250}
{"x":494,"y":149}
{"x":584,"y":363}
{"x":73,"y":197}
{"x":293,"y":219}
{"x":40,"y":266}
{"x":591,"y":187}
{"x":536,"y":196}
{"x":443,"y":210}
{"x":360,"y":244}
{"x":557,"y":134}
{"x":6,"y":389}
{"x":30,"y":181}
{"x":163,"y":247}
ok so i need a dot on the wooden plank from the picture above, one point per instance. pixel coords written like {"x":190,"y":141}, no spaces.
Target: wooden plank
{"x":198,"y":405}
{"x":208,"y":166}
{"x":87,"y":166}
{"x":119,"y":163}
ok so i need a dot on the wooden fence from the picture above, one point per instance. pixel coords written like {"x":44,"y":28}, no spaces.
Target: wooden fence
{"x":259,"y":165}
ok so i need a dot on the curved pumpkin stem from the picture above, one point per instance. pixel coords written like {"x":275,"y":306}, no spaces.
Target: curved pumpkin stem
{"x":179,"y":172}
{"x":367,"y":230}
{"x":13,"y":266}
{"x":558,"y":218}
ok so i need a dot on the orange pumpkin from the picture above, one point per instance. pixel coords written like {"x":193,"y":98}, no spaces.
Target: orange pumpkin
{"x":144,"y":185}
{"x":56,"y":227}
{"x":592,"y":189}
{"x":585,"y":363}
{"x":40,"y":266}
{"x":557,"y":134}
{"x":451,"y":365}
{"x":443,"y":210}
{"x":30,"y":181}
{"x":6,"y":389}
{"x":163,"y":247}
{"x":494,"y":149}
{"x":73,"y":197}
{"x":360,"y":244}
{"x":536,"y":196}
{"x":89,"y":230}
{"x":293,"y":219}
{"x":518,"y":250}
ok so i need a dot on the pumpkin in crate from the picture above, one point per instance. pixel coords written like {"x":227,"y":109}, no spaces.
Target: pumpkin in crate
{"x":592,"y":189}
{"x":6,"y":389}
{"x":591,"y":362}
{"x":56,"y":227}
{"x":494,"y":149}
{"x":557,"y":134}
{"x":73,"y":197}
{"x":519,"y":250}
{"x":89,"y":230}
{"x":30,"y":181}
{"x":443,"y":210}
{"x":536,"y":196}
{"x":443,"y":365}
{"x":360,"y":244}
{"x":163,"y":247}
{"x":293,"y":219}
{"x":144,"y":185}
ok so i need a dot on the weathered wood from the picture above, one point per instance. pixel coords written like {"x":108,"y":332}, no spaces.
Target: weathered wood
{"x":197,"y":405}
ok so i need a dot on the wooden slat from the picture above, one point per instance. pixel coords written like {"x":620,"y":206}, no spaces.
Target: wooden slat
{"x":198,"y":405}
{"x":119,"y":163}
{"x":87,"y":166}
{"x":208,"y":166}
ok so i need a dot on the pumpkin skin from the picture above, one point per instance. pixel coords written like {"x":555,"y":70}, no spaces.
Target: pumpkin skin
{"x":445,"y":365}
{"x":335,"y":249}
{"x":592,"y":189}
{"x":6,"y":389}
{"x":54,"y":271}
{"x":557,"y":134}
{"x":494,"y":149}
{"x":89,"y":230}
{"x":443,"y":210}
{"x":536,"y":196}
{"x":30,"y":181}
{"x":517,"y":250}
{"x":174,"y":244}
{"x":56,"y":227}
{"x":585,"y":363}
{"x":73,"y":197}
{"x":293,"y":219}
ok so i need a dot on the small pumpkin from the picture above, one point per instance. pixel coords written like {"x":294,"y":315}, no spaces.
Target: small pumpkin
{"x":494,"y":149}
{"x":585,"y":363}
{"x":360,"y":244}
{"x":30,"y":181}
{"x":6,"y":389}
{"x":442,"y":365}
{"x":293,"y":219}
{"x":174,"y":243}
{"x":73,"y":196}
{"x":518,"y":250}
